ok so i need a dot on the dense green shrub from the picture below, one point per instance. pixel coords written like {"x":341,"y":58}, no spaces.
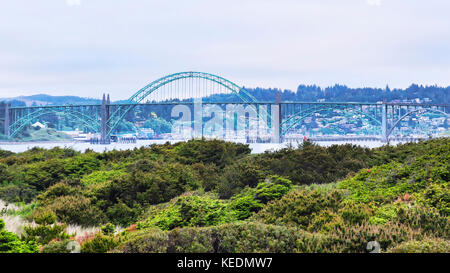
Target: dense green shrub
{"x":70,"y":205}
{"x":254,"y":237}
{"x":18,"y":193}
{"x":44,"y":174}
{"x":385,"y":213}
{"x":10,"y":242}
{"x":76,"y":209}
{"x":189,"y":211}
{"x":192,"y":210}
{"x":423,"y":246}
{"x":249,"y":237}
{"x":99,"y":244}
{"x":355,"y":213}
{"x":208,"y":175}
{"x":146,"y":241}
{"x":241,"y":174}
{"x":148,"y":183}
{"x":108,"y":229}
{"x":4,"y":173}
{"x":4,"y":154}
{"x":313,"y":164}
{"x":57,"y":247}
{"x":33,"y":172}
{"x":244,"y":205}
{"x":214,"y":151}
{"x":273,"y":188}
{"x":37,"y":154}
{"x":300,"y":207}
{"x":407,"y":151}
{"x":251,"y":200}
{"x":98,"y":177}
{"x":398,"y":197}
{"x":312,"y":243}
{"x":240,"y":237}
{"x":198,"y":211}
{"x":437,"y":196}
{"x":354,"y":238}
{"x":425,"y":177}
{"x":121,"y":214}
{"x":428,"y":220}
{"x":56,"y":191}
{"x":46,"y":229}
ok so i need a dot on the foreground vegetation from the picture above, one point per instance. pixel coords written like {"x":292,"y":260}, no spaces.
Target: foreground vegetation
{"x":214,"y":196}
{"x":39,"y":134}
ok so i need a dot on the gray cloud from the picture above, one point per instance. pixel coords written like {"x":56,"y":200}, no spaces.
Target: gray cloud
{"x":91,"y":46}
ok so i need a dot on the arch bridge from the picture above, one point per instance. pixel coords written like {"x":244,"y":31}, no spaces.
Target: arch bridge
{"x":283,"y":119}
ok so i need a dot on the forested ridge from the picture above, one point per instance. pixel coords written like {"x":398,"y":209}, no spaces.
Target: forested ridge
{"x":306,"y":93}
{"x":215,"y":196}
{"x":343,"y":93}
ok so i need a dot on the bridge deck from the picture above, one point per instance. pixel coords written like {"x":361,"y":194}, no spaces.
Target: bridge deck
{"x":218,"y":102}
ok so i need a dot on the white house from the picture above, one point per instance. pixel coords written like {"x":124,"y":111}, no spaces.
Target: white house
{"x":38,"y":124}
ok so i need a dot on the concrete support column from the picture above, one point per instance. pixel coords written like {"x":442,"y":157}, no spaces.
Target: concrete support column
{"x":7,"y":119}
{"x":198,"y":118}
{"x":276,"y":123}
{"x":384,"y":125}
{"x":277,"y":119}
{"x":107,"y":121}
{"x":103,"y":117}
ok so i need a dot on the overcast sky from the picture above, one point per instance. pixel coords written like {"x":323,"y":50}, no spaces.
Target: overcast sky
{"x":86,"y":47}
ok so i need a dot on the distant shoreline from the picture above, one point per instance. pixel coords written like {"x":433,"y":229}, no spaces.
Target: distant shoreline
{"x":313,"y":139}
{"x":36,"y":142}
{"x":18,"y":147}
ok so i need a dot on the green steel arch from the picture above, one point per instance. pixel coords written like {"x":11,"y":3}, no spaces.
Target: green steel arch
{"x":301,"y":115}
{"x":19,"y":124}
{"x":144,"y":92}
{"x":421,"y":111}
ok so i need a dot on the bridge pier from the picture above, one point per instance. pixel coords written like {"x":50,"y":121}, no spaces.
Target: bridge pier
{"x":275,"y":122}
{"x":276,"y":119}
{"x":105,"y":114}
{"x":198,"y":118}
{"x":7,"y":119}
{"x":384,"y":129}
{"x":108,"y":115}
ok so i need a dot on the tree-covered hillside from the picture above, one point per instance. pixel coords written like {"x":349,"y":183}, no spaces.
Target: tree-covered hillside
{"x":342,"y":93}
{"x":306,"y":93}
{"x":44,"y":99}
